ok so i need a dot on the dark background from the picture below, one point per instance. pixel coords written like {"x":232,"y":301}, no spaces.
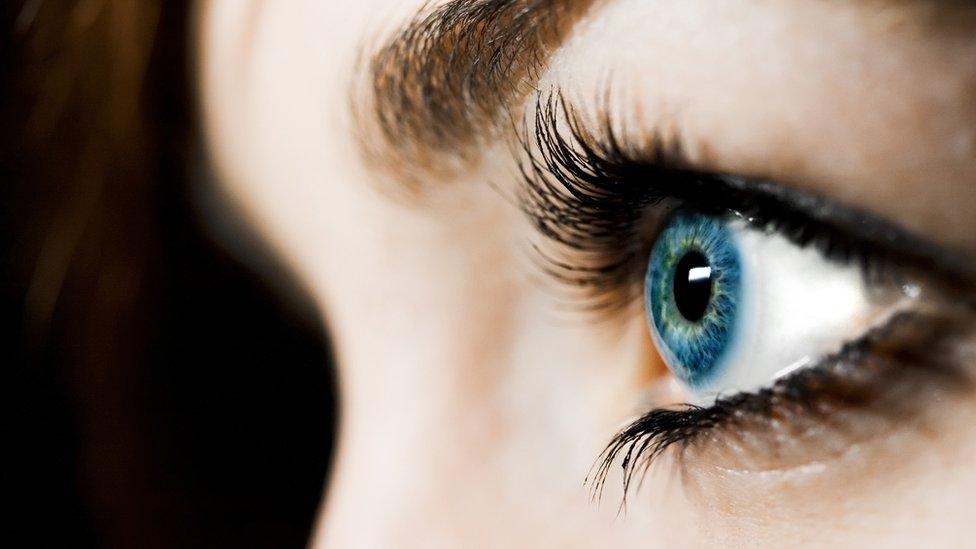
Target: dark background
{"x":179,"y":393}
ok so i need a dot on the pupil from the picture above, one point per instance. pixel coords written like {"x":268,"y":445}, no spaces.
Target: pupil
{"x":692,"y":286}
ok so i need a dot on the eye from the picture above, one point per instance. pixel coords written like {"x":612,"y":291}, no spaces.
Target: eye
{"x":732,"y":308}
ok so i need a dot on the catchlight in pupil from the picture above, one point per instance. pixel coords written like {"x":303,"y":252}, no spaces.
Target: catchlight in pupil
{"x":692,"y":286}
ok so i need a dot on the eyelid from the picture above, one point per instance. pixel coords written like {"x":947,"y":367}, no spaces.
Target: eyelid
{"x":580,"y":184}
{"x":887,"y":373}
{"x":869,"y":231}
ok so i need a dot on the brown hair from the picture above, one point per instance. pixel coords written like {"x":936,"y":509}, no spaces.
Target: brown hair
{"x":100,"y":140}
{"x":83,"y":154}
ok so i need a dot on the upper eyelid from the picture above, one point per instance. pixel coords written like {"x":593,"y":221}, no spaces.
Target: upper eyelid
{"x":602,"y":153}
{"x":867,"y":228}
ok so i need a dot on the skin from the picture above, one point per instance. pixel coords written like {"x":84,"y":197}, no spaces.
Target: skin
{"x":471,"y":408}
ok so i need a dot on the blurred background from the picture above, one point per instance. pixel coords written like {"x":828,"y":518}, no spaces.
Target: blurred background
{"x":170,"y":382}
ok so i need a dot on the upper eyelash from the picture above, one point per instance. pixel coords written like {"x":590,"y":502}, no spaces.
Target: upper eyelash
{"x":579,"y":197}
{"x":591,"y":195}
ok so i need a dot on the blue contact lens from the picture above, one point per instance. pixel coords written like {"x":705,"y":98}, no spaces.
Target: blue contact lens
{"x":692,"y":292}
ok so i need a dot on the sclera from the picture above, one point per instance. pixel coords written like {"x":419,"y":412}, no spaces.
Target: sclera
{"x":796,"y":307}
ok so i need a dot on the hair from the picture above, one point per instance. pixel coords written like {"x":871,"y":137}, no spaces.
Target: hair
{"x":140,"y":349}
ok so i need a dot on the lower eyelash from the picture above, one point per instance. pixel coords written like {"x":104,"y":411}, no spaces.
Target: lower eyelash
{"x":880,"y":373}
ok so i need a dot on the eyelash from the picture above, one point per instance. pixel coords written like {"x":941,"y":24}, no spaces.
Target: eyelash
{"x":879,"y":373}
{"x":592,"y":198}
{"x":587,"y":195}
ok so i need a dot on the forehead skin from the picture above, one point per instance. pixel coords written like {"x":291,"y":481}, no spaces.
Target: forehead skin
{"x":869,"y":103}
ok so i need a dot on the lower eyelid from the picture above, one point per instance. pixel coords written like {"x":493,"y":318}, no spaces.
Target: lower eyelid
{"x":893,"y":381}
{"x":900,"y":380}
{"x":751,"y":482}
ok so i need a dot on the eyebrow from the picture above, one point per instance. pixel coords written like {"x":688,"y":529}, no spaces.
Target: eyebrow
{"x":445,"y":83}
{"x":441,"y":84}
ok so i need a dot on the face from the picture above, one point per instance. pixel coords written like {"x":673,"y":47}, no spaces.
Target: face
{"x":622,"y":273}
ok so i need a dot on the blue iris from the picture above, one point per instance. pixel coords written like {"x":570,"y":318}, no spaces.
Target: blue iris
{"x":692,"y":292}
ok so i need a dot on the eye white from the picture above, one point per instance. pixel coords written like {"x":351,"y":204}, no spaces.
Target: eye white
{"x":795,"y":307}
